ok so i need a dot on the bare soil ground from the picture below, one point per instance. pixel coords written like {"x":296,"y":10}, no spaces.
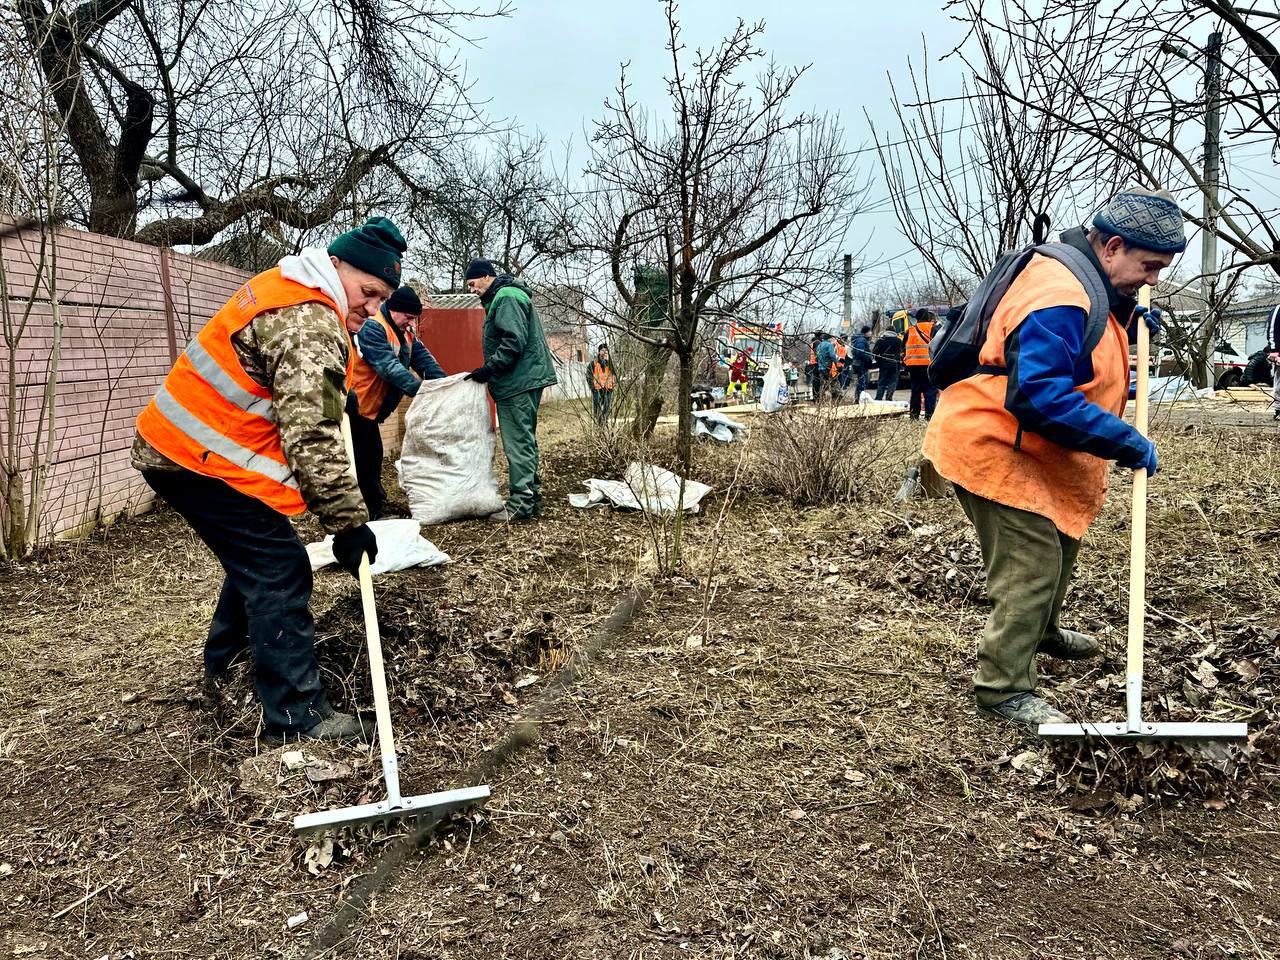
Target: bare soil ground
{"x":776,"y":756}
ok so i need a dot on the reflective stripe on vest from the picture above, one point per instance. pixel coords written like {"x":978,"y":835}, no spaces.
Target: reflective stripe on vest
{"x":370,"y":389}
{"x":602,"y":377}
{"x":918,"y":337}
{"x":210,"y":417}
{"x":208,"y":368}
{"x":198,"y":430}
{"x":974,"y":441}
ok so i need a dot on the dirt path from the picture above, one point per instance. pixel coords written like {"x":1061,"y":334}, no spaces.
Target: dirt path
{"x":789,"y":767}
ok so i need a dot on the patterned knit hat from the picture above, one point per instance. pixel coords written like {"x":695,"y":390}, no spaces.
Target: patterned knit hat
{"x":1150,"y":219}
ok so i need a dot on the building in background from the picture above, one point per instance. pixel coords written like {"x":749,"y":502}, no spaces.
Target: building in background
{"x":562,"y":310}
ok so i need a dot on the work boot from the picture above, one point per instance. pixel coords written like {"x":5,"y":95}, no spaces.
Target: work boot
{"x":336,"y":726}
{"x":507,"y":515}
{"x":1026,"y":709}
{"x":1070,"y":645}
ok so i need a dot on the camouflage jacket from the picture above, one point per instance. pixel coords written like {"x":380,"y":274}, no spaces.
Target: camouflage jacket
{"x":298,"y":354}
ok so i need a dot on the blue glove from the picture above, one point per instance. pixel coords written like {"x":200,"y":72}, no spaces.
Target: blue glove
{"x":1154,"y":318}
{"x":1147,"y":460}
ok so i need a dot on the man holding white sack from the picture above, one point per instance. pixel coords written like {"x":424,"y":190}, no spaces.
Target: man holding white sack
{"x":517,"y":368}
{"x":387,"y":355}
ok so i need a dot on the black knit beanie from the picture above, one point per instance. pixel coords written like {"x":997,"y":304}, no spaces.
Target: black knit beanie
{"x":405,"y":300}
{"x":478,"y":268}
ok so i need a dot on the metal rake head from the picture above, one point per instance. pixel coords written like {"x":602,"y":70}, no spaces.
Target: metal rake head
{"x":414,"y":811}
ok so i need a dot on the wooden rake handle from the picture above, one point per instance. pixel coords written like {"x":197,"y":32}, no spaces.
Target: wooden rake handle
{"x":1138,"y":527}
{"x":373,"y":641}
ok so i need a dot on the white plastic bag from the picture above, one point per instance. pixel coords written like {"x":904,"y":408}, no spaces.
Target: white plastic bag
{"x":446,"y":460}
{"x":774,"y":392}
{"x":400,"y":546}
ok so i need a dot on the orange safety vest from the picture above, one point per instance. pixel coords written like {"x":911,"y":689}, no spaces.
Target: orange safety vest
{"x":813,"y":357}
{"x":370,"y":389}
{"x":841,"y":353}
{"x":602,"y":377}
{"x":212,"y":418}
{"x":975,"y":442}
{"x":918,"y":337}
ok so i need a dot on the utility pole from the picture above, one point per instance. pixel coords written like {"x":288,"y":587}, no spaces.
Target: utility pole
{"x":846,"y":319}
{"x":1209,"y":239}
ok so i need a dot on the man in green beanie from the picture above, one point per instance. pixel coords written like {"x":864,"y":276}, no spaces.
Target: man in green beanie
{"x":517,"y":368}
{"x":244,"y":433}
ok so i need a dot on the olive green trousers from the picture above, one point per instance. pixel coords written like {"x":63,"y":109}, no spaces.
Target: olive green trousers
{"x":1029,"y":563}
{"x":518,"y":426}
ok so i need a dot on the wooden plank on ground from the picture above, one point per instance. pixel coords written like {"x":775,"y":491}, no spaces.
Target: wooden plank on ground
{"x":854,"y":410}
{"x":1254,"y":393}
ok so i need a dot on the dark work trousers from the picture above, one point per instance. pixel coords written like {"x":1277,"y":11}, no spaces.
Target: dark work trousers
{"x":366,"y":442}
{"x":860,"y":383}
{"x":888,"y":382}
{"x":263,"y":604}
{"x":922,"y":389}
{"x":821,"y":384}
{"x":1029,"y":564}
{"x":601,"y":401}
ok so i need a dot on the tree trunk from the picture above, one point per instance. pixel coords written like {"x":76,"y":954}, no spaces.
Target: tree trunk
{"x":14,"y":545}
{"x":649,"y":398}
{"x":1201,"y":359}
{"x":684,"y":401}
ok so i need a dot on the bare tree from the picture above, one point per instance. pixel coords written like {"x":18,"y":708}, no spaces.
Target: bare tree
{"x":184,"y":119}
{"x":502,"y":202}
{"x":1144,"y":118}
{"x":729,"y":195}
{"x":969,"y":175}
{"x":31,"y":178}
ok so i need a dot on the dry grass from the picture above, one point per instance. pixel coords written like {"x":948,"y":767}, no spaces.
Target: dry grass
{"x":784,"y":766}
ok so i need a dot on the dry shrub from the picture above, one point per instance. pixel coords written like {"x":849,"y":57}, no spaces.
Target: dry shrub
{"x":820,"y":455}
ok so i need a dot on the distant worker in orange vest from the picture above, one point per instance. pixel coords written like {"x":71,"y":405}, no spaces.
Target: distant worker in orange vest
{"x":244,"y":433}
{"x":827,"y":367}
{"x":604,"y":380}
{"x":917,"y":363}
{"x":387,"y":355}
{"x":1026,"y":439}
{"x":843,"y":370}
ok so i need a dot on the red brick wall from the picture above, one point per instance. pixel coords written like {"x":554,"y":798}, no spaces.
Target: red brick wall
{"x":115,"y":352}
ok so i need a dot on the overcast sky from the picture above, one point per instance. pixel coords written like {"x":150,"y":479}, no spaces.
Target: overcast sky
{"x":552,"y":63}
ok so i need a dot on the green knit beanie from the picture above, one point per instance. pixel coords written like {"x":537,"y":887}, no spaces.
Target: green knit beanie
{"x":375,"y":248}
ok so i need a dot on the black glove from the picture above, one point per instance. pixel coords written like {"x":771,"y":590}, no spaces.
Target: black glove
{"x":350,"y":545}
{"x":479,"y":375}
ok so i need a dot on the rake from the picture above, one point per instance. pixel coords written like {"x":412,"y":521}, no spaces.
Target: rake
{"x":396,"y":808}
{"x":1133,"y":727}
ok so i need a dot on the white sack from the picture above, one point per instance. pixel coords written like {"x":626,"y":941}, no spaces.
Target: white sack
{"x":884,"y":404}
{"x":644,"y":487}
{"x":1169,"y":389}
{"x":713,"y":424}
{"x":400,"y":546}
{"x":446,"y":460}
{"x":774,"y":392}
